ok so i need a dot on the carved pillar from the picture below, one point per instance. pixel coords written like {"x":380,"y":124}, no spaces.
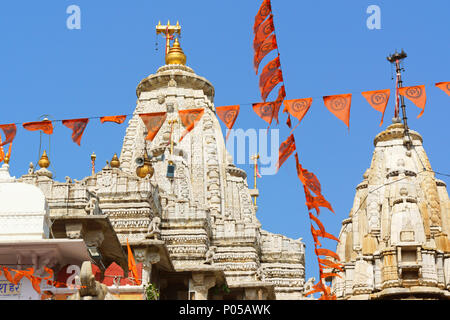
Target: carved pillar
{"x":200,"y":284}
{"x":377,"y":272}
{"x":147,"y":257}
{"x":349,"y":273}
{"x":389,"y":269}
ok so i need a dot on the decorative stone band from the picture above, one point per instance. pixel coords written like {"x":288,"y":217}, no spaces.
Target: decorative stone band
{"x":396,"y":131}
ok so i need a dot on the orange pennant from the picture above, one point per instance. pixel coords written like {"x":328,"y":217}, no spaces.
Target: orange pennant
{"x":307,"y":178}
{"x":278,"y":102}
{"x":189,"y":118}
{"x":10,"y":132}
{"x":264,"y":110}
{"x":268,"y":71}
{"x":228,"y":114}
{"x":262,"y":14}
{"x":132,"y":264}
{"x":416,"y":95}
{"x":445,"y":86}
{"x":288,"y":121}
{"x":298,"y":107}
{"x":272,"y":81}
{"x":378,"y":99}
{"x":264,"y":30}
{"x":339,"y":105}
{"x":77,"y":126}
{"x":326,"y":252}
{"x":286,"y":149}
{"x":267,"y":46}
{"x":46,"y":126}
{"x":116,"y":119}
{"x":153,"y":122}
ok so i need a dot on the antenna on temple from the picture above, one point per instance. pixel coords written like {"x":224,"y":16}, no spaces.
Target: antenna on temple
{"x":396,"y":58}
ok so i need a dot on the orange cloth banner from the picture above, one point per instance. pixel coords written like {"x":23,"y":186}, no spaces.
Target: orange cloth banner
{"x":268,"y":71}
{"x":190,"y":118}
{"x":326,"y":252}
{"x":132,"y":264}
{"x":228,"y":114}
{"x":77,"y":126}
{"x":286,"y":149}
{"x":116,"y":119}
{"x":297,"y":107}
{"x":378,"y":99}
{"x":46,"y":126}
{"x":264,"y":30}
{"x":273,"y":80}
{"x":416,"y":94}
{"x":445,"y":86}
{"x":339,"y":105}
{"x":267,"y":46}
{"x":278,"y":102}
{"x":264,"y":110}
{"x":153,"y":122}
{"x":10,"y":133}
{"x":262,"y":14}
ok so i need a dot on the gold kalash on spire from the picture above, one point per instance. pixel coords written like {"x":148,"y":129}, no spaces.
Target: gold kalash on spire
{"x":174,"y":54}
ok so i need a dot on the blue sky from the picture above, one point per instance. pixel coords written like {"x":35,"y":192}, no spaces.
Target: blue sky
{"x":325,"y":46}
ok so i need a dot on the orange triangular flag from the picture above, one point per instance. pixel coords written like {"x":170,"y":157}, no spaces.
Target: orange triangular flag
{"x":263,"y":32}
{"x":228,"y":114}
{"x":46,"y":126}
{"x":286,"y":149}
{"x":116,"y":119}
{"x":378,"y":99}
{"x":189,"y":118}
{"x":262,"y":14}
{"x":445,"y":86}
{"x":339,"y":105}
{"x":264,"y":110}
{"x":416,"y":94}
{"x":153,"y":122}
{"x":77,"y":126}
{"x":132,"y":264}
{"x":10,"y":132}
{"x":267,"y":46}
{"x":297,"y":107}
{"x":271,"y":82}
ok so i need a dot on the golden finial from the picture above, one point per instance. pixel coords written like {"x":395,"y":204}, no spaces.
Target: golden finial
{"x":43,"y":161}
{"x":145,"y":169}
{"x":6,"y":159}
{"x":115,"y":163}
{"x":176,"y":54}
{"x":93,"y":157}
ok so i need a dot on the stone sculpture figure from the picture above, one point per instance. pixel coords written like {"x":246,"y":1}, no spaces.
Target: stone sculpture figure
{"x":90,"y":207}
{"x":90,"y":288}
{"x":210,"y":255}
{"x":153,"y":228}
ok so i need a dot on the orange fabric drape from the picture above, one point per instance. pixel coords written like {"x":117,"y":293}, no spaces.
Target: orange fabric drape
{"x":326,"y":252}
{"x":132,"y":264}
{"x":339,"y":105}
{"x":153,"y":122}
{"x":268,"y":71}
{"x":378,"y":99}
{"x":444,"y":86}
{"x":190,"y":118}
{"x":77,"y":126}
{"x":116,"y":119}
{"x":267,"y":46}
{"x":264,"y":30}
{"x":228,"y":114}
{"x":297,"y":107}
{"x":10,"y":133}
{"x":286,"y":149}
{"x":262,"y":14}
{"x":46,"y":126}
{"x":272,"y":81}
{"x":417,"y":95}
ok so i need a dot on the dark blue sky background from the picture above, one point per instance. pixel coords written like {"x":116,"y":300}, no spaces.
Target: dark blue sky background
{"x":325,"y":49}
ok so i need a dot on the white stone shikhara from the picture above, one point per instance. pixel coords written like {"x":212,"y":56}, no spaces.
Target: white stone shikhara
{"x":395,"y":242}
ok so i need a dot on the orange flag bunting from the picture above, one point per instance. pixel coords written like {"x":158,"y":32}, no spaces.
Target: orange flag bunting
{"x":268,"y":71}
{"x":378,"y":99}
{"x":416,"y":95}
{"x":46,"y":126}
{"x":288,"y":121}
{"x":297,"y":107}
{"x":228,"y":114}
{"x":132,"y":265}
{"x":278,"y":102}
{"x":10,"y":133}
{"x":339,"y":105}
{"x":189,"y":118}
{"x":116,"y":119}
{"x":326,"y":252}
{"x":307,"y":178}
{"x":262,"y":14}
{"x":445,"y":86}
{"x":273,"y":80}
{"x":316,"y":202}
{"x":286,"y":149}
{"x":77,"y":126}
{"x":264,"y":110}
{"x":264,"y":30}
{"x":153,"y":122}
{"x":267,"y":46}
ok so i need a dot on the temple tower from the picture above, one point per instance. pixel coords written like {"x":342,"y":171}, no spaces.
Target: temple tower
{"x":395,"y":242}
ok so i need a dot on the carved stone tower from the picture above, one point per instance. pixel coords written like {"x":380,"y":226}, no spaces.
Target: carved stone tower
{"x":395,"y":243}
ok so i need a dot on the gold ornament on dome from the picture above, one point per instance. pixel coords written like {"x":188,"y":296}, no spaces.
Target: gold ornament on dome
{"x":115,"y":163}
{"x":176,"y":54}
{"x":146,"y":169}
{"x":43,"y":161}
